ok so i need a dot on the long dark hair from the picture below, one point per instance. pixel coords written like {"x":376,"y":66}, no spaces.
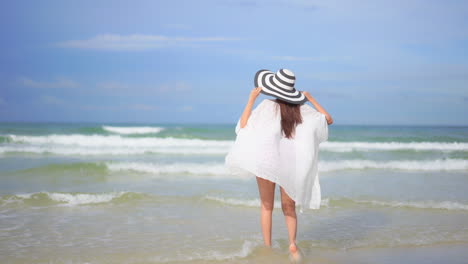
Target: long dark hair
{"x":290,"y":117}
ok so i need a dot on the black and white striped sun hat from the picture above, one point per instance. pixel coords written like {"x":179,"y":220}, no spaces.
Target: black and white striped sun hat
{"x":279,"y":85}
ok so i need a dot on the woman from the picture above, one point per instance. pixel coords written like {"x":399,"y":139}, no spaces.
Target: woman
{"x":281,"y":147}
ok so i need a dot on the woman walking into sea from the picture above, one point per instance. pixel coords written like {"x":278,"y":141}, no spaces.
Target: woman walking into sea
{"x":278,"y":142}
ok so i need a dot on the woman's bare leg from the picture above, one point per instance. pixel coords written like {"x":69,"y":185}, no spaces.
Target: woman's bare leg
{"x":266,"y":190}
{"x":289,"y":210}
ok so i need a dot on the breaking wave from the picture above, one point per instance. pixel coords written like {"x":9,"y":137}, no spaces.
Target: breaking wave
{"x":76,"y":198}
{"x":417,"y":165}
{"x":154,"y":168}
{"x":334,"y":146}
{"x":133,"y":130}
{"x":216,"y":169}
{"x":120,"y":144}
{"x":77,"y":140}
{"x":50,"y":198}
{"x":77,"y":144}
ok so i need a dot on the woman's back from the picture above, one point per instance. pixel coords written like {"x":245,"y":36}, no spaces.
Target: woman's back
{"x":278,"y":143}
{"x":262,"y":149}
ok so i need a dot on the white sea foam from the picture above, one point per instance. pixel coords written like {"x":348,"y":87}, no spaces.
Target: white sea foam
{"x":133,"y":130}
{"x":85,"y":151}
{"x":253,"y":202}
{"x":330,"y":202}
{"x":84,"y":198}
{"x":154,"y":168}
{"x":75,"y":198}
{"x":118,"y":144}
{"x":392,"y":146}
{"x":117,"y":141}
{"x":218,"y":169}
{"x":247,"y":249}
{"x":419,"y":165}
{"x":448,"y":205}
{"x":209,"y":255}
{"x":77,"y":144}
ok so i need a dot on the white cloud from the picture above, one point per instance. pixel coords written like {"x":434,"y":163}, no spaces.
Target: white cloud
{"x":136,"y":42}
{"x":59,"y":82}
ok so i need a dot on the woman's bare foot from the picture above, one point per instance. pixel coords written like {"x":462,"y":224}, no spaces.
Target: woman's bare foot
{"x":294,"y":254}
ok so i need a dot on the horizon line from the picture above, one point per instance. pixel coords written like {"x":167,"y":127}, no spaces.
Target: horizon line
{"x":207,"y":123}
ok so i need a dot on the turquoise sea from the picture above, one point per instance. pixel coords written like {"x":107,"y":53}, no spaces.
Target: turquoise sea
{"x":146,"y":193}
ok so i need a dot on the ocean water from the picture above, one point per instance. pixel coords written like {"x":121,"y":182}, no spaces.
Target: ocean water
{"x":126,"y":193}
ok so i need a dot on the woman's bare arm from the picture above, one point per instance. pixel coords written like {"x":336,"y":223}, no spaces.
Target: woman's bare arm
{"x":318,"y":107}
{"x":248,"y":108}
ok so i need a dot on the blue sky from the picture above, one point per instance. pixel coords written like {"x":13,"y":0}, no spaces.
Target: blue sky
{"x":366,"y":62}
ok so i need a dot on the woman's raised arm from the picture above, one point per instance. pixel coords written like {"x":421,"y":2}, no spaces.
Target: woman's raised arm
{"x":318,"y":107}
{"x":248,"y":108}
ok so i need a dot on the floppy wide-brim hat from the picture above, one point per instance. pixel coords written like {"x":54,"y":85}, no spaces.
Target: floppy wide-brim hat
{"x":279,"y":85}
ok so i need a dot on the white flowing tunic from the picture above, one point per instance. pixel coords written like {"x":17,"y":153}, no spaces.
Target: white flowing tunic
{"x":262,"y":150}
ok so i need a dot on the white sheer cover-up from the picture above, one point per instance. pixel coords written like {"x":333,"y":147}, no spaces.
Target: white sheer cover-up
{"x":260,"y":149}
